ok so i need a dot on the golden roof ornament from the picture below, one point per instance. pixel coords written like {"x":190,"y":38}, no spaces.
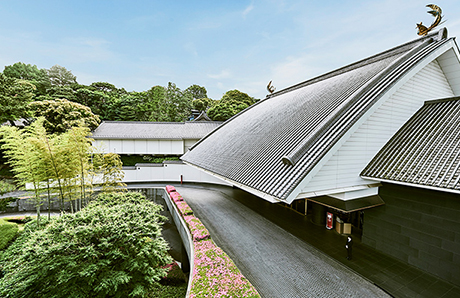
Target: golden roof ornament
{"x":437,"y":13}
{"x":270,"y":87}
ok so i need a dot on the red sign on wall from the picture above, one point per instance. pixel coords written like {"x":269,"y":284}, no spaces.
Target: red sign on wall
{"x":329,"y":220}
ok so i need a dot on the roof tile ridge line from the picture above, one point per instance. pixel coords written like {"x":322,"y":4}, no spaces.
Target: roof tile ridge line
{"x":225,"y":122}
{"x":294,"y":155}
{"x":143,"y":122}
{"x":289,"y":189}
{"x":376,"y":57}
{"x":440,"y":100}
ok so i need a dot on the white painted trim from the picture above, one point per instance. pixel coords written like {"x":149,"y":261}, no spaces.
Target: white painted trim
{"x":416,"y":185}
{"x":337,"y":191}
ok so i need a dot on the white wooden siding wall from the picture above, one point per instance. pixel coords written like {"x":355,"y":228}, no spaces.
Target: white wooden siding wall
{"x":173,"y":147}
{"x":343,"y":168}
{"x":451,"y":68}
{"x":189,"y":143}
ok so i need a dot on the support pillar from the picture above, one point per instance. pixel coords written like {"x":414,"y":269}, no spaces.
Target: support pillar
{"x":319,"y":214}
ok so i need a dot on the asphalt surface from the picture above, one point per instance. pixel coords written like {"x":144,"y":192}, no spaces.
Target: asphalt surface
{"x":277,"y":263}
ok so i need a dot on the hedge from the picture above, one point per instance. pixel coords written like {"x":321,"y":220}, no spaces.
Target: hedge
{"x":8,"y":231}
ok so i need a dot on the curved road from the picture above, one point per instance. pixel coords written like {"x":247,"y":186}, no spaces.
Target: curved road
{"x":277,"y":263}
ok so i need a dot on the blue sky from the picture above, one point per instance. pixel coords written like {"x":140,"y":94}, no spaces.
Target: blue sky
{"x":221,"y":45}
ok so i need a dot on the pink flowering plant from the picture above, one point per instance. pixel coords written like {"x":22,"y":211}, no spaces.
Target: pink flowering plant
{"x":197,"y":229}
{"x":170,"y":188}
{"x":176,"y":197}
{"x":215,"y":274}
{"x":184,"y":208}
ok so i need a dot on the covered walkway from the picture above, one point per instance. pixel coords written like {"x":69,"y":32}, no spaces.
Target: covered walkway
{"x":284,"y":255}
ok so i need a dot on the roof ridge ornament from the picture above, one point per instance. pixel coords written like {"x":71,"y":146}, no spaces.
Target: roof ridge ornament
{"x":437,"y":13}
{"x":270,"y":87}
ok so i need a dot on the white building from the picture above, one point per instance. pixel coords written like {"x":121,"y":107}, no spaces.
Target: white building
{"x":164,"y":139}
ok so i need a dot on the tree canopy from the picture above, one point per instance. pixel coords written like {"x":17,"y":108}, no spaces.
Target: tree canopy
{"x":107,"y":101}
{"x":24,"y":71}
{"x":111,"y":248}
{"x":15,"y":95}
{"x":231,"y":103}
{"x":60,"y":76}
{"x":62,"y":114}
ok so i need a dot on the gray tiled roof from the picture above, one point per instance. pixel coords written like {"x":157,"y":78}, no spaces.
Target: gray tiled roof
{"x":271,"y":146}
{"x":425,"y":151}
{"x":154,"y":130}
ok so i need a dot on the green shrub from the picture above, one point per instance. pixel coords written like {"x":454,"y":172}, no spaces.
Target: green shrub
{"x":170,"y":291}
{"x":8,"y":231}
{"x":112,"y":248}
{"x":175,"y":275}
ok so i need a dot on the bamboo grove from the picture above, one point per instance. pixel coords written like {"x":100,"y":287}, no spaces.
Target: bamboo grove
{"x":63,"y":165}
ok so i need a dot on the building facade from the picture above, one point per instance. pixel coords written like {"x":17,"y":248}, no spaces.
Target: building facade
{"x":307,"y":145}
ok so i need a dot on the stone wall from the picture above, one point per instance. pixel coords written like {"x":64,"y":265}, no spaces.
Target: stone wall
{"x":28,"y":204}
{"x":420,"y":227}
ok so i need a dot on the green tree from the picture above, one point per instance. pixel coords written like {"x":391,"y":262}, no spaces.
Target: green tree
{"x":111,"y":248}
{"x":124,"y":108}
{"x":197,"y":92}
{"x":153,"y":108}
{"x":15,"y":95}
{"x":231,"y":103}
{"x":38,"y":77}
{"x":238,"y":97}
{"x":202,"y":104}
{"x":177,"y":103}
{"x":60,"y":76}
{"x":62,"y":114}
{"x":108,"y":169}
{"x":21,"y":147}
{"x":221,"y":112}
{"x":58,"y":92}
{"x":72,"y":151}
{"x":24,"y":71}
{"x":105,"y":87}
{"x":97,"y":101}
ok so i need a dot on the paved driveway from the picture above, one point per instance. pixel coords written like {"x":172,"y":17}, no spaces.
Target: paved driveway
{"x":277,"y":263}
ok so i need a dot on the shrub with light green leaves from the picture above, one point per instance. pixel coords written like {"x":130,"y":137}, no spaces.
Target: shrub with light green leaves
{"x":8,"y":231}
{"x":112,"y":248}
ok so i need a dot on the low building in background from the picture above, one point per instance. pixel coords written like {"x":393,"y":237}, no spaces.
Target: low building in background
{"x":151,"y":150}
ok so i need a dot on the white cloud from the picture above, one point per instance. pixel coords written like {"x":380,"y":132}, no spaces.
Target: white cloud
{"x":247,"y":10}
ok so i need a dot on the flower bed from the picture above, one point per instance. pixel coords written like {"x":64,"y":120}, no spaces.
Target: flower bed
{"x":214,"y":273}
{"x":184,"y":208}
{"x":170,"y":188}
{"x":176,"y":196}
{"x":196,"y":228}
